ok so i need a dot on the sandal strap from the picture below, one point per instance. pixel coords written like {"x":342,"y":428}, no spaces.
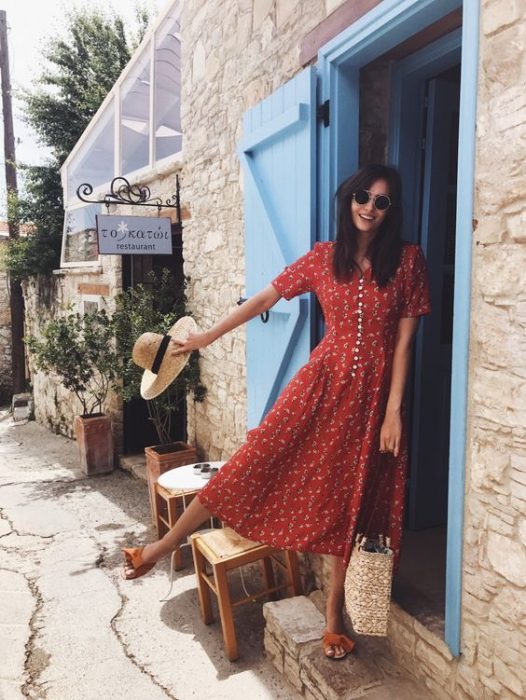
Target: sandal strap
{"x":133,"y":556}
{"x":334,"y":639}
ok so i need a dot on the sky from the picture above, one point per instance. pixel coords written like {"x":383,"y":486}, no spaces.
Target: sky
{"x":30,"y":23}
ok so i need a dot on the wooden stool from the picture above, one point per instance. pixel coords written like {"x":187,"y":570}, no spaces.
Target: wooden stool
{"x":169,"y":505}
{"x":225,"y":550}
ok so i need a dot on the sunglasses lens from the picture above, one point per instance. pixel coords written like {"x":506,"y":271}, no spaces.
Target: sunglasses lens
{"x":382,"y":203}
{"x":361,"y":196}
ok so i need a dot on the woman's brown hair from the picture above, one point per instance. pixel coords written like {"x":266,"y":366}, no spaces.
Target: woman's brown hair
{"x":385,"y":249}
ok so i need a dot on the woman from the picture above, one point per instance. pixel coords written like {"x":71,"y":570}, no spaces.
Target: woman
{"x":329,"y":459}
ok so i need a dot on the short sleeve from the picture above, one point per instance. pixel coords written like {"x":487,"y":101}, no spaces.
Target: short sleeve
{"x":296,"y":278}
{"x":416,"y":284}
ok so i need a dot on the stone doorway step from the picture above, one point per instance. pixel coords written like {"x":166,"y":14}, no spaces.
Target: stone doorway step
{"x":293,"y":643}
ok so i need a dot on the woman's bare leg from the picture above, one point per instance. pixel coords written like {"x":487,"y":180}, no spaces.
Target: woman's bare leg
{"x":193,"y":516}
{"x":335,"y":602}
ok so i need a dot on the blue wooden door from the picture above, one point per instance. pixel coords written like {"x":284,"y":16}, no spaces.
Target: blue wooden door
{"x":278,"y":151}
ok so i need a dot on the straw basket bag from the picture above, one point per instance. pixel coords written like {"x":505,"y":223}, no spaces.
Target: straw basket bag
{"x":368,"y":585}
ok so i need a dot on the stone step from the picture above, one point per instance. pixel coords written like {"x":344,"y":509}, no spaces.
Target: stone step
{"x":293,"y":632}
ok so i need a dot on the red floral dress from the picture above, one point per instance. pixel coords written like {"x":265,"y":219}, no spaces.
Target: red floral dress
{"x":310,"y":476}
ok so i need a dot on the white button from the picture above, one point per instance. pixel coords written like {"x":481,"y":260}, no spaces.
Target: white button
{"x":360,"y":295}
{"x":355,"y":366}
{"x":353,"y":374}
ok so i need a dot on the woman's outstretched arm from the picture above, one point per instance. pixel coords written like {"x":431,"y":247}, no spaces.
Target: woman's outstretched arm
{"x":260,"y":302}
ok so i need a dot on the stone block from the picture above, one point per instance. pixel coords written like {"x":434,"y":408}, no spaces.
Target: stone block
{"x":273,"y":649}
{"x":399,"y":690}
{"x":261,"y":9}
{"x":309,"y":695}
{"x":507,"y":557}
{"x":352,"y":680}
{"x":437,"y":689}
{"x":437,"y":643}
{"x":284,"y":10}
{"x":509,"y":604}
{"x":499,"y":14}
{"x":518,"y":475}
{"x":516,"y":226}
{"x":294,"y":622}
{"x":497,"y":524}
{"x":401,"y":637}
{"x":291,"y":671}
{"x":331,"y":5}
{"x":468,"y":679}
{"x":433,"y":660}
{"x":501,"y":67}
{"x":518,"y":489}
{"x":492,"y":684}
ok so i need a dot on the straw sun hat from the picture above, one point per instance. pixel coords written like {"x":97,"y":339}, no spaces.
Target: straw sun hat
{"x":161,"y":367}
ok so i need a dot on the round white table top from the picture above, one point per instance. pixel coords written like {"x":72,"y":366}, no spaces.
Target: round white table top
{"x":185,"y":478}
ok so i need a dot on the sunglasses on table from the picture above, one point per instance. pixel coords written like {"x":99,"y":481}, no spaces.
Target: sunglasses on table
{"x":380,"y":201}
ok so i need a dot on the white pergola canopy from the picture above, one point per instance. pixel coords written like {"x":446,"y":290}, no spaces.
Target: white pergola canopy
{"x":136,"y":129}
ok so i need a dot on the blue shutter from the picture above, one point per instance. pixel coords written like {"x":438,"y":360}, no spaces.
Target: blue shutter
{"x":278,"y":151}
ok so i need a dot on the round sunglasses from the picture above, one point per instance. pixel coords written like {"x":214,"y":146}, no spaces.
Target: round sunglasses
{"x":380,"y":201}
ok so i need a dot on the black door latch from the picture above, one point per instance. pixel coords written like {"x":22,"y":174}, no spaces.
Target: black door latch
{"x":264,"y":316}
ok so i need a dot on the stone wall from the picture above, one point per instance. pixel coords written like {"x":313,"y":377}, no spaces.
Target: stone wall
{"x":6,"y":387}
{"x":235,"y":55}
{"x":47,"y":298}
{"x":494,"y":595}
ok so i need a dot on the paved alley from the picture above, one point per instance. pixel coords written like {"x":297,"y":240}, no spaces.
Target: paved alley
{"x":71,"y":628}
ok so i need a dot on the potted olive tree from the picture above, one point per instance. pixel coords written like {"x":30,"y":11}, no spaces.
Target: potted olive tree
{"x":154,"y":307}
{"x":80,"y":351}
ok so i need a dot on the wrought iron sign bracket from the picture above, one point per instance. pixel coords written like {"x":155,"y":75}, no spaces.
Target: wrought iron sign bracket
{"x":122,"y":192}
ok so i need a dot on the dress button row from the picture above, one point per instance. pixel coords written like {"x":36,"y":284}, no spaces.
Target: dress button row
{"x":356,"y":349}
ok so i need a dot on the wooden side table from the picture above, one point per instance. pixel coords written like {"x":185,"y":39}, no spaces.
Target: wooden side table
{"x":172,"y":493}
{"x":169,"y":505}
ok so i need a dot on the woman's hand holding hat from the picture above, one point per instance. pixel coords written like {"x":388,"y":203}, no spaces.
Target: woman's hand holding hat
{"x":194,"y":341}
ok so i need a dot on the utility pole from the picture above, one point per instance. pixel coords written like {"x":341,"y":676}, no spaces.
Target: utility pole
{"x":15,"y":288}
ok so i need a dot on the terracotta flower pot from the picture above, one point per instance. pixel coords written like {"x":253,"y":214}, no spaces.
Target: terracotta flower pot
{"x":162,"y":458}
{"x":95,"y":443}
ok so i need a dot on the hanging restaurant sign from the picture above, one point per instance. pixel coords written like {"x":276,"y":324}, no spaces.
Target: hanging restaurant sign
{"x":134,"y":235}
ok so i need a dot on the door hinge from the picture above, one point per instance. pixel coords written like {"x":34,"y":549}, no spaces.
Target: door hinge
{"x":324,"y":113}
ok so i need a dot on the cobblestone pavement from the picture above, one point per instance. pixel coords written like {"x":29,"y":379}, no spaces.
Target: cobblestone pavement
{"x":71,"y":628}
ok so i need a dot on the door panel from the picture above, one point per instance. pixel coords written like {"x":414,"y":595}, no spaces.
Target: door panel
{"x":430,"y":446}
{"x":278,"y":157}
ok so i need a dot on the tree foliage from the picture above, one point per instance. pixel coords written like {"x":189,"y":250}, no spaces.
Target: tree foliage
{"x":80,"y":351}
{"x":37,"y":252}
{"x":79,"y":69}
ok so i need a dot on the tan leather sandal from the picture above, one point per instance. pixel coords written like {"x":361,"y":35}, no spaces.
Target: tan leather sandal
{"x":333,"y":639}
{"x":133,"y":558}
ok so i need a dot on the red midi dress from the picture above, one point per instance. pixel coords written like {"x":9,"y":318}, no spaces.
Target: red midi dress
{"x":311,"y":476}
